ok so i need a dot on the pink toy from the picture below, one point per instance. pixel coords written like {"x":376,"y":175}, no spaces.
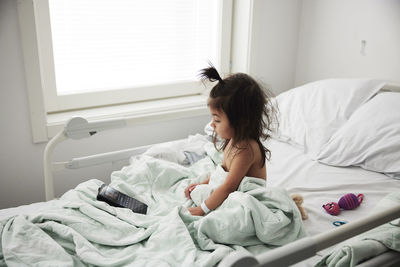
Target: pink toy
{"x":332,"y":208}
{"x":346,"y":202}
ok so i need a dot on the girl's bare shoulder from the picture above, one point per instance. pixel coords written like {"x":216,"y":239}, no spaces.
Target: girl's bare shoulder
{"x":248,"y":148}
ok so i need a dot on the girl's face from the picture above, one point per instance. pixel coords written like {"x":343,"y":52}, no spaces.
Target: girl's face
{"x":221,"y":124}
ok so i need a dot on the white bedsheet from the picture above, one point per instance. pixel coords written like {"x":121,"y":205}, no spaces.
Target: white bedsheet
{"x":24,"y":209}
{"x":318,"y":184}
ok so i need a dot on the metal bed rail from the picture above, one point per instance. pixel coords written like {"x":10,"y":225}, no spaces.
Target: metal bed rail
{"x":309,"y":246}
{"x":78,"y":128}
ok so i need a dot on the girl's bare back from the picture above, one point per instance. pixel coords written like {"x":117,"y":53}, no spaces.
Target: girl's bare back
{"x":249,"y":151}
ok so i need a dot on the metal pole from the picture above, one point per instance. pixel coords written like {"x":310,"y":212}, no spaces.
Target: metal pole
{"x":47,"y":164}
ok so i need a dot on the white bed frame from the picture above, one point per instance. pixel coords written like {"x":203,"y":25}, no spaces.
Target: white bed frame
{"x":78,"y":128}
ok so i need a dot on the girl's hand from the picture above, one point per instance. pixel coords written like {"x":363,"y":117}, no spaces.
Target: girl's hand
{"x":189,"y":190}
{"x":197,"y":211}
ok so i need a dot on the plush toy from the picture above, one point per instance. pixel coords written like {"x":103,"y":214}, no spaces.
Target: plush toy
{"x":298,"y":199}
{"x":346,"y":202}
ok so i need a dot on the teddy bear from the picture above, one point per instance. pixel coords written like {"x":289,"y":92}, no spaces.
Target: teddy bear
{"x":298,"y":199}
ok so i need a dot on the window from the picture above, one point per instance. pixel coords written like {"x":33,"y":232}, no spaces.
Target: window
{"x":93,"y":53}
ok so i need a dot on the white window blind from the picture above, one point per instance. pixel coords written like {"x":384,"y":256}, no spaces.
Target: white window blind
{"x":104,"y":52}
{"x":114,"y":44}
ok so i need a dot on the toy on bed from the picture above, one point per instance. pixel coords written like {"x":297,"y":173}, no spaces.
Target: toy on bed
{"x":298,"y":199}
{"x":346,"y":202}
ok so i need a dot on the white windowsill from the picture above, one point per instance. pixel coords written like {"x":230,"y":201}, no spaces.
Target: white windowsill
{"x":135,"y":113}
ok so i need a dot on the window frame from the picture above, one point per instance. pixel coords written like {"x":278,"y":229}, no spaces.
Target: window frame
{"x":40,"y":76}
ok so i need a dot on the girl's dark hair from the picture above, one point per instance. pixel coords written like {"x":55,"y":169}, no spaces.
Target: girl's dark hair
{"x":247,"y":105}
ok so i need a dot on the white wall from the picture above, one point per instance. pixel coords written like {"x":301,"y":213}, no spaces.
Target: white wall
{"x":330,"y":39}
{"x":274,"y":42}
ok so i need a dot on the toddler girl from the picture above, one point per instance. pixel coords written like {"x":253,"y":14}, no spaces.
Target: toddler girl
{"x":242,"y":115}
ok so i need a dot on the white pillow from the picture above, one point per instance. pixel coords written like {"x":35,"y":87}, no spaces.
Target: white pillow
{"x":310,"y":114}
{"x":370,"y":138}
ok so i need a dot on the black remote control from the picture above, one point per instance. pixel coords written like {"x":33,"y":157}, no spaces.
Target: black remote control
{"x":118,"y":199}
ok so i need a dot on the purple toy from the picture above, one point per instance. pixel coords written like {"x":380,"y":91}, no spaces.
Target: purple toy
{"x":346,"y":202}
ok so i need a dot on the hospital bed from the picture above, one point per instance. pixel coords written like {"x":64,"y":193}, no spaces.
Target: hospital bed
{"x":300,"y":163}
